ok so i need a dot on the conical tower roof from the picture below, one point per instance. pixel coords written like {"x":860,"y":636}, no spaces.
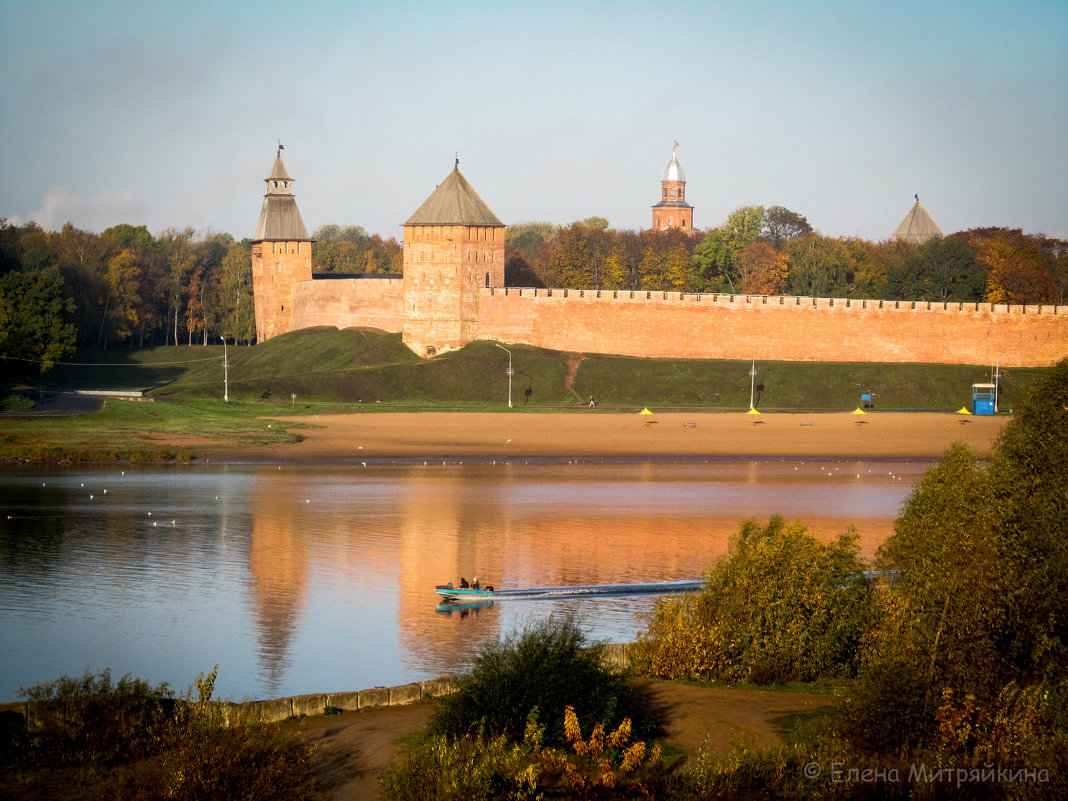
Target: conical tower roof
{"x":279,"y":218}
{"x":917,"y":226}
{"x":454,"y":202}
{"x":278,"y":171}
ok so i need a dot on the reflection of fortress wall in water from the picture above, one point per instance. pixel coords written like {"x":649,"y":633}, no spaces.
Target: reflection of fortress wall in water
{"x":452,"y":292}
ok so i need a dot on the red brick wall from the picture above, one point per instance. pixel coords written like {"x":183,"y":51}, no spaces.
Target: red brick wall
{"x":671,"y":325}
{"x":349,"y":303}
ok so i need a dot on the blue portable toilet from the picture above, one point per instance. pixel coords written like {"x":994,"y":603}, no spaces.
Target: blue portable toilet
{"x":983,"y":397}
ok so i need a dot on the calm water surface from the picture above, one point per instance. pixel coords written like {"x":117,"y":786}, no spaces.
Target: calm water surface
{"x":299,"y":580}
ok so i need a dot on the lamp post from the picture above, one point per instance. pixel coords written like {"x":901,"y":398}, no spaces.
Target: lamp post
{"x":510,"y":372}
{"x":226,"y":373}
{"x":752,"y":382}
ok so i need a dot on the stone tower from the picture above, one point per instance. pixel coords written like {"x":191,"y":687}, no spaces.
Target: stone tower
{"x":281,"y":254}
{"x":453,"y":247}
{"x":673,"y":211}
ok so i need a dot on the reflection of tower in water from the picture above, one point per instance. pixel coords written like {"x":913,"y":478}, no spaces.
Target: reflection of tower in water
{"x":318,"y":532}
{"x":444,"y":534}
{"x":278,"y":570}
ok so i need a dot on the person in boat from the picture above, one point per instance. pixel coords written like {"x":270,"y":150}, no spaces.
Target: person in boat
{"x":475,"y":585}
{"x":463,"y":584}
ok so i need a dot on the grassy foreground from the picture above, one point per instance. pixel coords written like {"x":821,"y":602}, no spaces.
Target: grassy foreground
{"x":356,"y":367}
{"x":326,"y":370}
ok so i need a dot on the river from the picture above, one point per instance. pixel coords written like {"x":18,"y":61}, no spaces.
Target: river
{"x":300,"y":579}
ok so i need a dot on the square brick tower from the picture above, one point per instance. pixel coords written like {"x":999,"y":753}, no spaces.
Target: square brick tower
{"x":281,"y":254}
{"x":673,"y":211}
{"x":453,"y":247}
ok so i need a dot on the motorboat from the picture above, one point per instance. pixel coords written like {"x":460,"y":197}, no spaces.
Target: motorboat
{"x":463,"y":593}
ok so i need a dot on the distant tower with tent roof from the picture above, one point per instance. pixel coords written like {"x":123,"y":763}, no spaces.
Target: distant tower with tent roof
{"x":673,"y":211}
{"x":453,"y":247}
{"x":917,"y":227}
{"x":281,"y":254}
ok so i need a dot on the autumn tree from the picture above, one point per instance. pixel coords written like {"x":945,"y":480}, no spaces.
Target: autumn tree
{"x":763,"y":269}
{"x":120,"y":312}
{"x":1016,"y":270}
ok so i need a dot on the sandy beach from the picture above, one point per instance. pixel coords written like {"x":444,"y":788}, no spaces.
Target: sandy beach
{"x":341,"y":438}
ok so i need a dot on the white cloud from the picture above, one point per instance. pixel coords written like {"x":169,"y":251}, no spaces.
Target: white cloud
{"x":60,"y":205}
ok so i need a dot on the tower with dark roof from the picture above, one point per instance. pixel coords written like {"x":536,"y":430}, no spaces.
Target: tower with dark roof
{"x":453,"y":247}
{"x":673,"y":211}
{"x":281,"y":254}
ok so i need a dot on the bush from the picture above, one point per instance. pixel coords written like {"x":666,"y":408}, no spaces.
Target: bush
{"x":779,"y":607}
{"x":94,"y":721}
{"x":90,"y":738}
{"x":475,"y":767}
{"x":546,"y":667}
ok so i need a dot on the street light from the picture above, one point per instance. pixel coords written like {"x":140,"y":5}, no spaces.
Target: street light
{"x":226,"y":373}
{"x":510,"y":372}
{"x":752,"y":382}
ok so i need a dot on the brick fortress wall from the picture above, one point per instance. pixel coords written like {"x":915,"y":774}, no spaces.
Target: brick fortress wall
{"x":368,"y":302}
{"x":674,"y":325}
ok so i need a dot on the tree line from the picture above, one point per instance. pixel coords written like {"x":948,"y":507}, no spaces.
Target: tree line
{"x":775,"y":251}
{"x":126,"y":287}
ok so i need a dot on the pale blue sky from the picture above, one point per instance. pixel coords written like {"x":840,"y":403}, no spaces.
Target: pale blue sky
{"x":167,"y":114}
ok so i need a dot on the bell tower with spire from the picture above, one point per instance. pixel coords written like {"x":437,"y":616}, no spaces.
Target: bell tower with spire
{"x":281,"y":254}
{"x":673,"y":211}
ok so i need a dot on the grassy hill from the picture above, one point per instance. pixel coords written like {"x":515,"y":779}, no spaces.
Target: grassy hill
{"x":358,"y":367}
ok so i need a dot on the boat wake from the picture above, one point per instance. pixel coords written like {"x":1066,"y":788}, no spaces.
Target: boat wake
{"x":598,"y":590}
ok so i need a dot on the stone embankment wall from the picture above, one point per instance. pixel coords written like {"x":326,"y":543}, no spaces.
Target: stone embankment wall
{"x":315,"y":704}
{"x":690,"y":326}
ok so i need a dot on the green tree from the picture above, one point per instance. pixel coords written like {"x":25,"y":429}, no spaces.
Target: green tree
{"x":716,"y":254}
{"x":819,"y":266}
{"x":781,"y":225}
{"x":940,"y":269}
{"x":34,"y":319}
{"x":235,"y":294}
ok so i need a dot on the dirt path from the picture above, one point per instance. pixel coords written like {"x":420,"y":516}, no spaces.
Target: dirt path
{"x":355,"y":747}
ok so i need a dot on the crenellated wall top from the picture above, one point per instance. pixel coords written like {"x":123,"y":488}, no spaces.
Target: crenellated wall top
{"x":783,"y":301}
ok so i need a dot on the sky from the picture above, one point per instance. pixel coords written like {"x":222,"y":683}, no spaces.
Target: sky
{"x":168,"y":114}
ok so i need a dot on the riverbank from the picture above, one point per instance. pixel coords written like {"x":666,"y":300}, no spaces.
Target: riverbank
{"x":356,"y":747}
{"x":591,"y":435}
